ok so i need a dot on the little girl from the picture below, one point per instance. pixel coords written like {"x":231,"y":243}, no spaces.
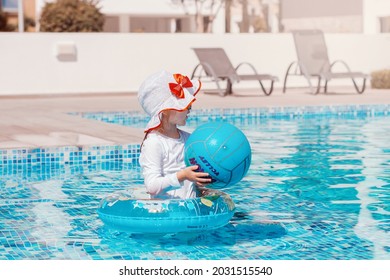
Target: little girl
{"x":167,"y":99}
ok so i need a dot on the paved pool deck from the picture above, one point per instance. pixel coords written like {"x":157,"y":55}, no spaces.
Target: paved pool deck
{"x":32,"y":121}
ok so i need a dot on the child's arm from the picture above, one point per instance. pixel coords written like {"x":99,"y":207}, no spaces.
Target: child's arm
{"x":151,"y":161}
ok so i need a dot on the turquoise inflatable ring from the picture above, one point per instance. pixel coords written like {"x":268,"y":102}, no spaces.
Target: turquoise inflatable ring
{"x":133,"y":211}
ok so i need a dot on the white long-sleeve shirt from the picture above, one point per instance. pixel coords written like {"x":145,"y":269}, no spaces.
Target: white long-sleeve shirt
{"x":160,"y":159}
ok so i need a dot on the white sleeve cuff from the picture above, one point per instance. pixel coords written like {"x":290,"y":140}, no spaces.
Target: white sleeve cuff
{"x":173,"y":180}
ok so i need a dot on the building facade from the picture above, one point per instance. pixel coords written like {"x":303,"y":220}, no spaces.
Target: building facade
{"x":10,"y":7}
{"x":245,"y":16}
{"x":336,"y":16}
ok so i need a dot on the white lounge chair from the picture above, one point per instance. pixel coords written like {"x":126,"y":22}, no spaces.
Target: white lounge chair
{"x":313,"y":62}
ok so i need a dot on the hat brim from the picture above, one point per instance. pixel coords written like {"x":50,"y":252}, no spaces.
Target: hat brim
{"x":174,"y":104}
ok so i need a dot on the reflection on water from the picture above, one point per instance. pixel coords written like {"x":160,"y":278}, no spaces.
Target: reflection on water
{"x":373,"y":219}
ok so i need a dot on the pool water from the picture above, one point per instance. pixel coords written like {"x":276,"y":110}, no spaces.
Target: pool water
{"x":318,"y":188}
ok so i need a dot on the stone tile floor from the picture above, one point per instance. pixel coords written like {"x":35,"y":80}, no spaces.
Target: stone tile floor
{"x":43,"y":120}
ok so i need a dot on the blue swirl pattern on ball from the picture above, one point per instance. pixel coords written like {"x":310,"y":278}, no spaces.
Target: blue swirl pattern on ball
{"x":220,"y":149}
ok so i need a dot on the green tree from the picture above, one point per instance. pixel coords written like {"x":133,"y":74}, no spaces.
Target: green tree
{"x":71,"y":16}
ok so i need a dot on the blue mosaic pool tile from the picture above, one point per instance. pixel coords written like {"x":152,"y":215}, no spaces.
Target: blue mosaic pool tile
{"x":20,"y":160}
{"x":139,"y":119}
{"x":25,"y":159}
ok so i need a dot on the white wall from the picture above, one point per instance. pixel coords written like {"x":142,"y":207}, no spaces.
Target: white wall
{"x":117,"y":62}
{"x":372,"y":11}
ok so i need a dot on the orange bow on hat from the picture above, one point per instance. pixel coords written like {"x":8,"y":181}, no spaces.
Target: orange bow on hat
{"x":182,"y":82}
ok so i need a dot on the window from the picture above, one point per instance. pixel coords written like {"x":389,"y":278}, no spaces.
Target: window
{"x":385,"y":24}
{"x":9,"y":5}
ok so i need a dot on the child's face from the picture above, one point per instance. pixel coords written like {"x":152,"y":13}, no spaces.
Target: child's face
{"x":178,"y":117}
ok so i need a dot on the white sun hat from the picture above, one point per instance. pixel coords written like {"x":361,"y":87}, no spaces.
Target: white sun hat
{"x":165,"y":91}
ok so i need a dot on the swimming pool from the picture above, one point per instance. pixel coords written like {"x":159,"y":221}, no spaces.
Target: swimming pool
{"x":318,"y":188}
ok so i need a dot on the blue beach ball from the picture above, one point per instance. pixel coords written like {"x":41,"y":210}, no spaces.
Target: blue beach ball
{"x":220,"y":149}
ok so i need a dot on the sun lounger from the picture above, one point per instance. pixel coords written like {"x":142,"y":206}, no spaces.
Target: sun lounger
{"x":216,"y":65}
{"x":313,"y":62}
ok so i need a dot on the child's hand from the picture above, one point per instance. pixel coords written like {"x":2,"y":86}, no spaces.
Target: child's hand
{"x":201,"y":179}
